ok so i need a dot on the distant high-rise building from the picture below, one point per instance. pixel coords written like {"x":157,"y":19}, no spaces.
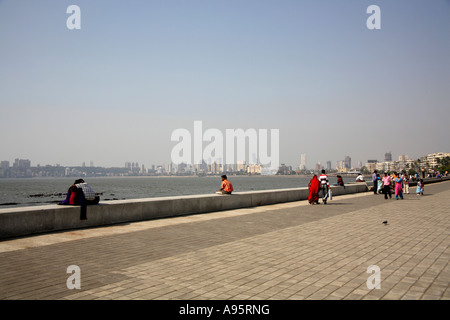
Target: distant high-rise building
{"x":214,"y":167}
{"x":388,"y":156}
{"x":21,"y":163}
{"x":318,"y":166}
{"x":241,"y":166}
{"x":4,"y":165}
{"x":254,"y":159}
{"x":348,"y":162}
{"x":340,"y":166}
{"x":303,"y":161}
{"x":328,"y":165}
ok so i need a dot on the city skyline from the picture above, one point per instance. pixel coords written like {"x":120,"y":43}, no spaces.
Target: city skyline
{"x":115,"y":89}
{"x":432,"y":164}
{"x":340,"y":164}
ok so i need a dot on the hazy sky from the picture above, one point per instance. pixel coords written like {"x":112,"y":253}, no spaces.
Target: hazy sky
{"x":115,"y":90}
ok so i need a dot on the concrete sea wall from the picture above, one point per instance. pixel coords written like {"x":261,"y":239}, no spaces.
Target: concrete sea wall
{"x":23,"y":221}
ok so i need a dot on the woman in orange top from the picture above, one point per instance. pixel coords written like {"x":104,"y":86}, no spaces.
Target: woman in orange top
{"x":226,"y":187}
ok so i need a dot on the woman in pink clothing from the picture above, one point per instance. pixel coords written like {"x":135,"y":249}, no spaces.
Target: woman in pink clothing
{"x":387,"y":185}
{"x":398,"y":186}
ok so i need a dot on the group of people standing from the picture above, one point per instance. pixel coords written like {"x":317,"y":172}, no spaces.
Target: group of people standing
{"x":399,"y":182}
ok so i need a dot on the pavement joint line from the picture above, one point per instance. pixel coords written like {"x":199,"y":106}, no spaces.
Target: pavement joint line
{"x":44,"y":239}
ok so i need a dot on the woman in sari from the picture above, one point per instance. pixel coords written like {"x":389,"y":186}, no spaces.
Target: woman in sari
{"x":314,"y":186}
{"x":398,"y":186}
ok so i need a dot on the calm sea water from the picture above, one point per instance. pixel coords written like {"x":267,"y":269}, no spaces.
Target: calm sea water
{"x":38,"y":191}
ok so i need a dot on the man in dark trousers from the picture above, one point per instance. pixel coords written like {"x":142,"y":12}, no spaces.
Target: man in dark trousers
{"x":324,"y":186}
{"x":81,"y":194}
{"x":375,"y":181}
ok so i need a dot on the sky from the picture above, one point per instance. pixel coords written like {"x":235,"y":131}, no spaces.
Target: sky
{"x":114,"y":90}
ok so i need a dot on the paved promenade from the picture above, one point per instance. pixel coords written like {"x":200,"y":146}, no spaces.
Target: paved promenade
{"x":283,"y":251}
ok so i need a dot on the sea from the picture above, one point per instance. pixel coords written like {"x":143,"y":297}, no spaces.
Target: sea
{"x":40,"y":191}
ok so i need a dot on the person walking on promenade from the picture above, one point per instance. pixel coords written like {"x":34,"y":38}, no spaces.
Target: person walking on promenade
{"x":324,"y":186}
{"x":387,"y":185}
{"x":314,"y":187}
{"x":398,"y":186}
{"x":375,"y":182}
{"x":226,"y":187}
{"x":405,"y":183}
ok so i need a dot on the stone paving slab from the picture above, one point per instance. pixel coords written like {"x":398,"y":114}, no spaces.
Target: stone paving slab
{"x":291,"y":251}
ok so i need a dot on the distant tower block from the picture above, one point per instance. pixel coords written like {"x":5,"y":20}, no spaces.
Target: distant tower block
{"x":303,"y":161}
{"x":388,"y":156}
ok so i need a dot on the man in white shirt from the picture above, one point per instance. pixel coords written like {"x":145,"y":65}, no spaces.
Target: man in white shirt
{"x":324,"y":186}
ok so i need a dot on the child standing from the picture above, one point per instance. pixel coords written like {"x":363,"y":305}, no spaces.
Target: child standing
{"x":420,"y":187}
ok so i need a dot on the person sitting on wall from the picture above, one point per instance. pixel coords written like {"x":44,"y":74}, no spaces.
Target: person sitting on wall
{"x":80,"y":194}
{"x":360,"y":178}
{"x":340,"y":181}
{"x":226,"y":187}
